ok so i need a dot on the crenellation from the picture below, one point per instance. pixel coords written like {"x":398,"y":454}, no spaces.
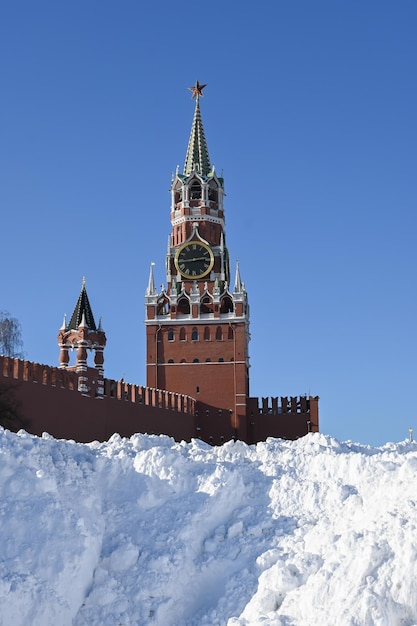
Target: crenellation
{"x":68,"y":380}
{"x":27,"y":370}
{"x":277,"y":405}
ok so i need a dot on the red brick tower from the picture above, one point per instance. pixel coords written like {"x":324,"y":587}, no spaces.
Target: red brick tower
{"x":82,"y":335}
{"x":198,"y":325}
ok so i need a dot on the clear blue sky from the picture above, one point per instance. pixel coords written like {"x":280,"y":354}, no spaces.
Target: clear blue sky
{"x":310,"y":111}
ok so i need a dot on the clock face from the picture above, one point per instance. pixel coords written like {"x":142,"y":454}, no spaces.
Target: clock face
{"x":194,"y":260}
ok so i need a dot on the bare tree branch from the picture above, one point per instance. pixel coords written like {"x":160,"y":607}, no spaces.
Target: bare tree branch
{"x":11,"y":343}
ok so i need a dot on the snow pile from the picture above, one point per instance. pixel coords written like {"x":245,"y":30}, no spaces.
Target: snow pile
{"x":147,"y":531}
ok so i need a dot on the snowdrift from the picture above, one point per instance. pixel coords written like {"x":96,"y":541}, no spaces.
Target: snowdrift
{"x":147,"y":531}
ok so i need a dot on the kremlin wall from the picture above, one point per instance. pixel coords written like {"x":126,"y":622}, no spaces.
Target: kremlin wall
{"x":48,"y":400}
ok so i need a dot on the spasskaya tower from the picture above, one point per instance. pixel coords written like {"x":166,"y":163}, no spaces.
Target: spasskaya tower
{"x":197,"y":327}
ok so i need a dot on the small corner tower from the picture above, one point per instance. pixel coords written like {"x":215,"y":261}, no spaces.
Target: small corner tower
{"x":82,"y":334}
{"x":198,"y":325}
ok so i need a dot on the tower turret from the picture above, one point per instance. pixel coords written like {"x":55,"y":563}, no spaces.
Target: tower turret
{"x":82,"y":334}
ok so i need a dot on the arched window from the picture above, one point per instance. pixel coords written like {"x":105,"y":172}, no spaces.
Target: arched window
{"x":183,"y":306}
{"x":206,"y":305}
{"x":208,"y":360}
{"x":221,"y":359}
{"x":163,"y":306}
{"x":213,"y":191}
{"x":219,"y":333}
{"x":206,"y":333}
{"x":183,"y":361}
{"x":182,"y":333}
{"x":178,"y":192}
{"x":226,"y":305}
{"x":170,"y":335}
{"x":194,"y":335}
{"x":196,"y":361}
{"x":170,"y":360}
{"x":195,"y":191}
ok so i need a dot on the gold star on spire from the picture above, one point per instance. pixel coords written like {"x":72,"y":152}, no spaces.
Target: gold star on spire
{"x":197,"y":89}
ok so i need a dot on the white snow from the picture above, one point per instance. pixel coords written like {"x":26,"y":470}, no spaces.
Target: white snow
{"x":146,"y":531}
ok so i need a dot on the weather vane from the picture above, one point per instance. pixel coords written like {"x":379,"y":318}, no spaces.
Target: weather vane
{"x":197,"y":89}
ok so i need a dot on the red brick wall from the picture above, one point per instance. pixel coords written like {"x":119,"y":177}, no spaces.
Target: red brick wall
{"x":220,"y":385}
{"x":48,"y":401}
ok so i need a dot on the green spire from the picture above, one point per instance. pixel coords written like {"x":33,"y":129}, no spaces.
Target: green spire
{"x":197,"y":157}
{"x":82,"y":308}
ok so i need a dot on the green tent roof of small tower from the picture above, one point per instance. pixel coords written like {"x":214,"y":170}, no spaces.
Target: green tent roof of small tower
{"x":82,"y":308}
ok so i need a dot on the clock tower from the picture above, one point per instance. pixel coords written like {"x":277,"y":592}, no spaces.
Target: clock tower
{"x":197,"y":326}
